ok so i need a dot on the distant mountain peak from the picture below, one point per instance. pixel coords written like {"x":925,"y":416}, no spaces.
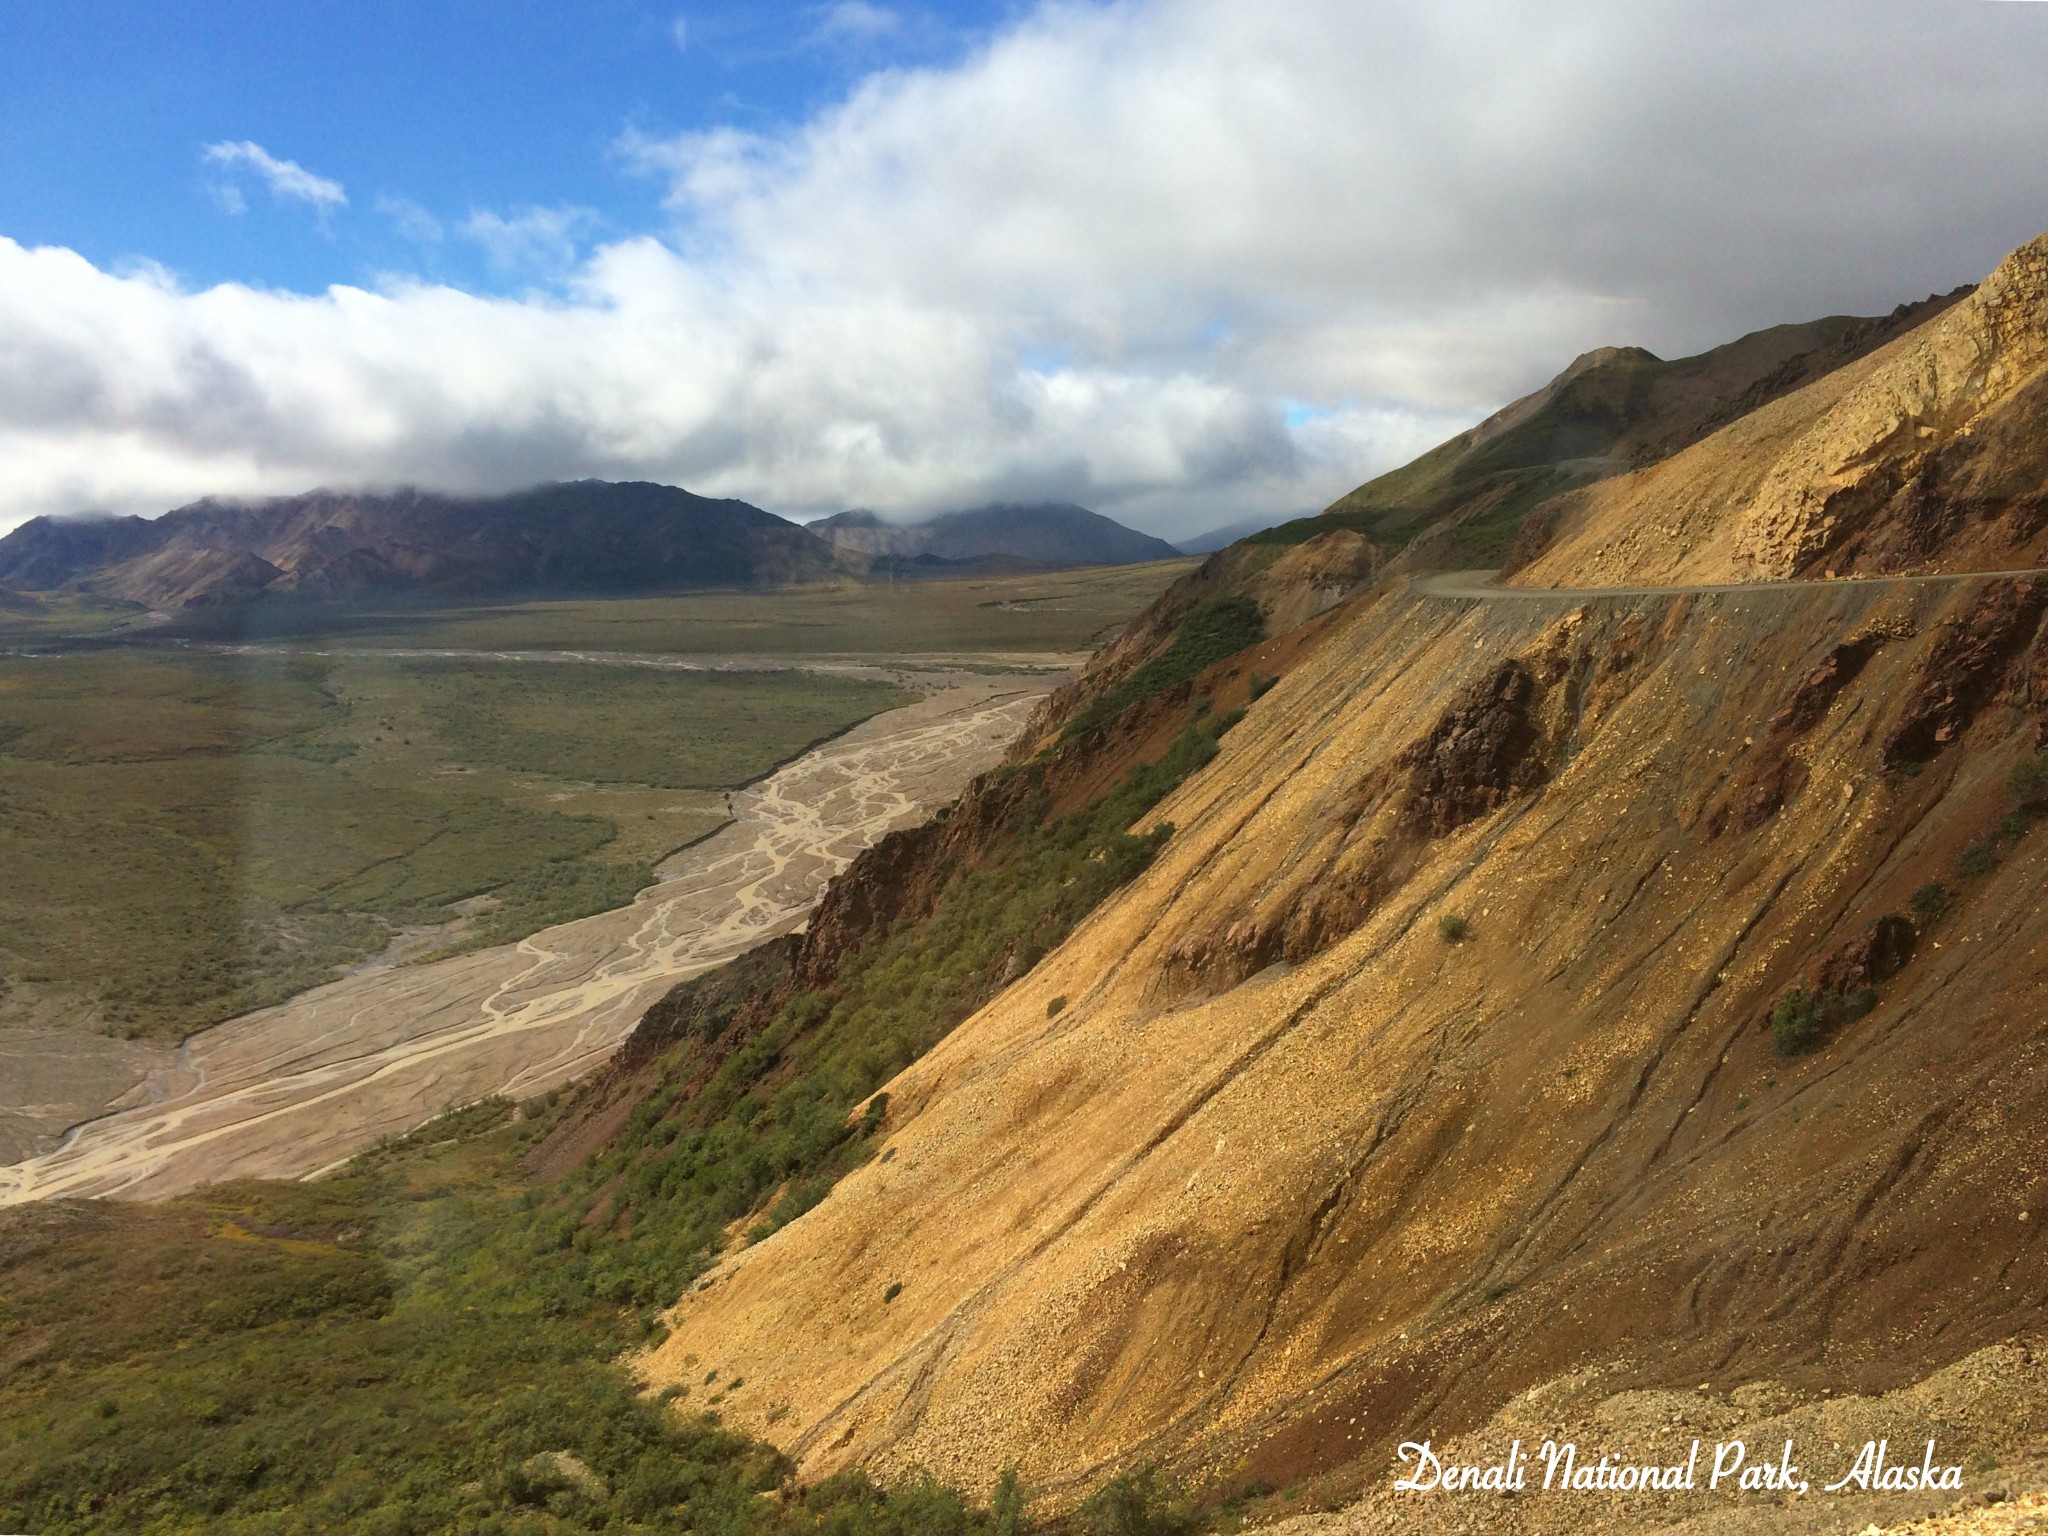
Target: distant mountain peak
{"x":580,"y":536}
{"x":1052,"y":533}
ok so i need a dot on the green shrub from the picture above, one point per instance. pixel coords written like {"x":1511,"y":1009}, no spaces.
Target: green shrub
{"x":1054,"y":1008}
{"x":895,"y":1289}
{"x":1931,"y":900}
{"x":1801,"y":1018}
{"x":2028,"y":781}
{"x":1260,"y":685}
{"x":1006,"y":1504}
{"x":872,"y":1117}
{"x":1795,"y":1025}
{"x":1138,"y":1504}
{"x":1453,"y":929}
{"x":1980,"y":860}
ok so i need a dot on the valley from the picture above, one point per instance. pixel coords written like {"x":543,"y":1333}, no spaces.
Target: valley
{"x":237,"y":825}
{"x":290,"y":1090}
{"x":241,"y":820}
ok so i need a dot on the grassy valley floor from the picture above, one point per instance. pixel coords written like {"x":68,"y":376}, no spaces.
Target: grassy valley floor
{"x":190,"y":836}
{"x":237,"y":826}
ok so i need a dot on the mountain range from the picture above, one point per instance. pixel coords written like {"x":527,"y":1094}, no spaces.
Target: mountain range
{"x":582,"y":538}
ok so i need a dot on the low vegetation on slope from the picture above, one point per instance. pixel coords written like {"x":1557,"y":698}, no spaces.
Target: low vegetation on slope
{"x":1214,"y":628}
{"x":364,"y":1354}
{"x":754,"y":1116}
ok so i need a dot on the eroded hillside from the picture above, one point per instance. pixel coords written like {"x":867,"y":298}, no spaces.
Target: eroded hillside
{"x":1534,"y":981}
{"x":1925,"y":455}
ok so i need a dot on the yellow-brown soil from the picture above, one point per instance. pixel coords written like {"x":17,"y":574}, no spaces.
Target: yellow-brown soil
{"x":1924,"y":455}
{"x":1215,"y":1217}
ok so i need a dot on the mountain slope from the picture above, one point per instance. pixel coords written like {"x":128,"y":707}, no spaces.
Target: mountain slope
{"x":1614,"y":409}
{"x":1049,"y":533}
{"x":585,"y":536}
{"x":1925,"y":455}
{"x":1535,"y":982}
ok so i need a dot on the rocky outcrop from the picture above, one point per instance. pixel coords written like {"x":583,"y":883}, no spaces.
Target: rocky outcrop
{"x":1315,"y":576}
{"x":1481,"y":752}
{"x":1772,"y":773}
{"x":1964,"y":668}
{"x":1938,"y":385}
{"x":1870,"y":959}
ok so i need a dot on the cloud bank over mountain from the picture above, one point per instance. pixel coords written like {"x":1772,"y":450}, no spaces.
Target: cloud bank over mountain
{"x":1179,"y":260}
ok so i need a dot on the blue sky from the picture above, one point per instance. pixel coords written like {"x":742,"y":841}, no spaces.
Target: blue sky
{"x":1182,"y":261}
{"x":106,"y":107}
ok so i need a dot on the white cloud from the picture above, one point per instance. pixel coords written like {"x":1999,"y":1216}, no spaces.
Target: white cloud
{"x":679,"y":29}
{"x":287,"y":179}
{"x":542,"y":242}
{"x":856,"y":21}
{"x":412,"y":222}
{"x":1103,"y":258}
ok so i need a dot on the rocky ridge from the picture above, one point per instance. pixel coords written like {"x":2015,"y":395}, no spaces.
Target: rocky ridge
{"x":1923,"y":456}
{"x":1049,"y":533}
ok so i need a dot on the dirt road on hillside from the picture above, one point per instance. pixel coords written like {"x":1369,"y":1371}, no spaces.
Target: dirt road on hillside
{"x":1480,"y":585}
{"x":297,"y":1088}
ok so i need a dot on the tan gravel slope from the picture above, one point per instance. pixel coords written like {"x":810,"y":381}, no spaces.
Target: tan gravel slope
{"x":1996,"y":1401}
{"x":1300,"y":1169}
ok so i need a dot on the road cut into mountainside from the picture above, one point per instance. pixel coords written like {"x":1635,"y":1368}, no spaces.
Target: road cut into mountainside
{"x":292,"y":1090}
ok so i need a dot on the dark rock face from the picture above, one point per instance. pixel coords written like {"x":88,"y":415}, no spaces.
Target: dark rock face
{"x":1771,"y":775}
{"x":587,"y":537}
{"x":1870,"y":959}
{"x":1964,"y":669}
{"x":1481,"y":752}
